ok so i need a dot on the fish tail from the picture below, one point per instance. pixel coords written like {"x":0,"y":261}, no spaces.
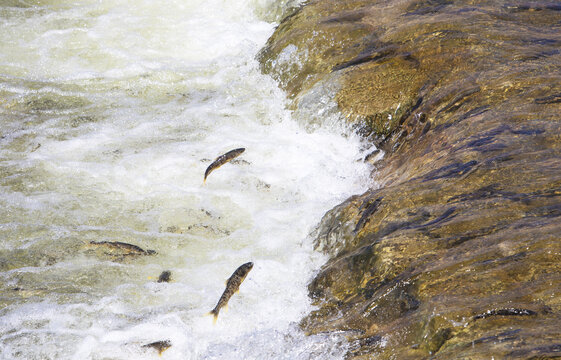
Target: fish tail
{"x":207,"y":173}
{"x":214,"y":313}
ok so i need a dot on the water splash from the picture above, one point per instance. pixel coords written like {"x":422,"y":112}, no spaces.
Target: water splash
{"x":110,"y":114}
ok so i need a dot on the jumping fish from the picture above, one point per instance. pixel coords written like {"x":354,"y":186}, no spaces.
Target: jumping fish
{"x":232,"y":286}
{"x":223,"y":159}
{"x":160,"y":346}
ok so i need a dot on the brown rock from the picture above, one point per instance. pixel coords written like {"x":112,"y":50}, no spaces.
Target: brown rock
{"x":458,"y":253}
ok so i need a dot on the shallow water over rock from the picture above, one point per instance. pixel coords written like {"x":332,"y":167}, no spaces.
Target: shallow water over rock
{"x":457,"y":254}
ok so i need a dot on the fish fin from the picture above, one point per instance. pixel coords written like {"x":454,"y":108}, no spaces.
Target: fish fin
{"x":237,"y":291}
{"x":214,"y":313}
{"x":226,"y":307}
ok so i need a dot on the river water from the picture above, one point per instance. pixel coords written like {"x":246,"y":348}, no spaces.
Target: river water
{"x":110,"y":112}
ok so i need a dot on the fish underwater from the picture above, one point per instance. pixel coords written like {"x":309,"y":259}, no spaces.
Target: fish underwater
{"x":165,"y":276}
{"x":232,"y":287}
{"x":122,"y":247}
{"x":223,"y":159}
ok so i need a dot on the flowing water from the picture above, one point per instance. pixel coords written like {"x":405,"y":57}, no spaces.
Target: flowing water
{"x":110,"y":112}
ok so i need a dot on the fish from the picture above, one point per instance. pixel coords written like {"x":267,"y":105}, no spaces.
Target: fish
{"x":232,"y":286}
{"x":160,"y":346}
{"x":165,"y":276}
{"x":128,"y":249}
{"x":223,"y":159}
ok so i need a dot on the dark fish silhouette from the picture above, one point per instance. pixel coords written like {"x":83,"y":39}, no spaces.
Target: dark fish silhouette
{"x":129,"y":249}
{"x":232,"y":287}
{"x":223,"y":159}
{"x":165,"y":276}
{"x":161,"y":346}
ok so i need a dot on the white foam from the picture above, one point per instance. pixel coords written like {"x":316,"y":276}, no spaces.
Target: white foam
{"x":164,"y":90}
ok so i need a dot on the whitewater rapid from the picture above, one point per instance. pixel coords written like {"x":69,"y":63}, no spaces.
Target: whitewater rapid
{"x":110,"y":112}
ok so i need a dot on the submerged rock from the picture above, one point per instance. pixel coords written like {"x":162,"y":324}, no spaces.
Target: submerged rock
{"x":458,"y":253}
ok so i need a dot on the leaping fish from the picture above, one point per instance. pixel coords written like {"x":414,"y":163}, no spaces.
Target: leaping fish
{"x":232,"y":286}
{"x":160,"y":346}
{"x":223,"y":159}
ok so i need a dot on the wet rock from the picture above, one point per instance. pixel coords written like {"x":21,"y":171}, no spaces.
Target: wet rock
{"x":458,"y":253}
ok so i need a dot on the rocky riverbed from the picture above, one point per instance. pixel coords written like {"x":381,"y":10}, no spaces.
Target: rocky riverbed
{"x":457,"y":253}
